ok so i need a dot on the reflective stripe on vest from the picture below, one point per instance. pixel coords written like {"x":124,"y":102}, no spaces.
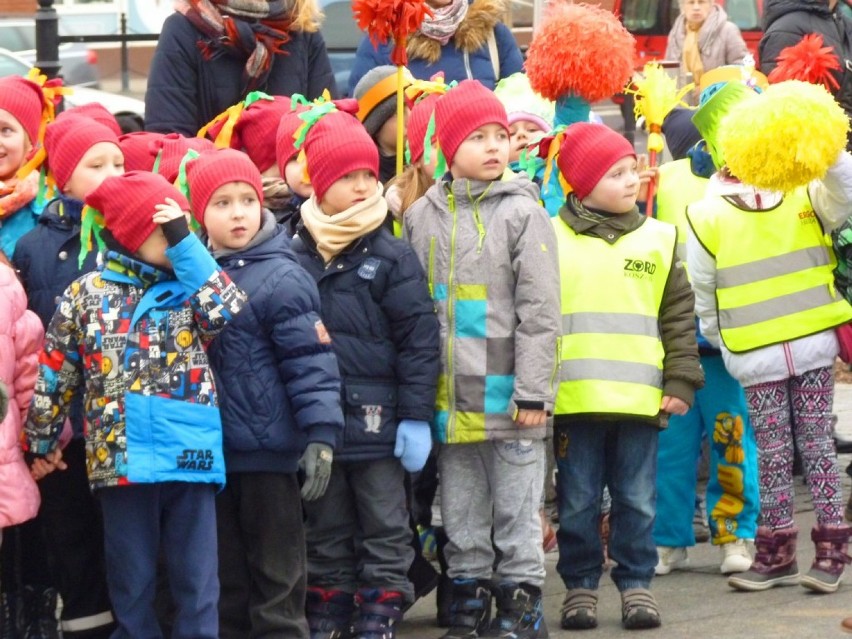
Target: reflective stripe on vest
{"x":774,"y":280}
{"x":677,"y":188}
{"x":612,"y":355}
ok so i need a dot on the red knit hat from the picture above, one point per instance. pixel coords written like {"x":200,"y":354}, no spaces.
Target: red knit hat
{"x":461,"y":111}
{"x":139,"y":150}
{"x":172,"y":148}
{"x":285,"y":149}
{"x":256,"y":129}
{"x":95,"y":111}
{"x":68,"y":139}
{"x":212,"y":169}
{"x":587,"y":153}
{"x":127,"y":202}
{"x":24,"y":100}
{"x":418,"y":123}
{"x":336,"y":145}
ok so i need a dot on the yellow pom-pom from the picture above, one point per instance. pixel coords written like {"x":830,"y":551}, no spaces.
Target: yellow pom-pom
{"x":785,"y":137}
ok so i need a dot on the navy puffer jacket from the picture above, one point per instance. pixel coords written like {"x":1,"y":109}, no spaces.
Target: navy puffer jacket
{"x":185,"y":91}
{"x":376,"y":305}
{"x":277,"y":377}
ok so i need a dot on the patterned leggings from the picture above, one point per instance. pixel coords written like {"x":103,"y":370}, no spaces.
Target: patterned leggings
{"x":797,"y":408}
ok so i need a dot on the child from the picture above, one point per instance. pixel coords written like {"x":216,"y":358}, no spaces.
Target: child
{"x":382,"y":325}
{"x":765,"y":296}
{"x":81,"y":154}
{"x":490,"y":255}
{"x":719,"y":412}
{"x":292,"y":170}
{"x":139,"y":150}
{"x":94,"y":111}
{"x":20,"y":342}
{"x":376,"y":95}
{"x":21,"y":105}
{"x":628,"y":358}
{"x":530,"y":115}
{"x":418,"y":175}
{"x":170,"y":151}
{"x":133,"y":333}
{"x":278,"y":344}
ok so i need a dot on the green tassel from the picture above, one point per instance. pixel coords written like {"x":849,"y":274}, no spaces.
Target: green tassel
{"x":254,"y":96}
{"x":310,"y":118}
{"x":92,"y":223}
{"x":181,"y":183}
{"x":440,"y":165}
{"x":298,"y":99}
{"x":41,"y":194}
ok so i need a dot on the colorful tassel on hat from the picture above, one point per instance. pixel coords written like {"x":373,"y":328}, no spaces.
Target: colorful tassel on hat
{"x":221,"y":128}
{"x":92,"y":225}
{"x":52,"y":92}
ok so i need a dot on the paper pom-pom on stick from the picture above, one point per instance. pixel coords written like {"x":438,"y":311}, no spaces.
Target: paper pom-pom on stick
{"x":808,"y":61}
{"x":580,"y":50}
{"x":785,"y":137}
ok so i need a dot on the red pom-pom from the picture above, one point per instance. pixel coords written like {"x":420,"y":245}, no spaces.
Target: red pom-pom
{"x":393,"y":20}
{"x":808,"y":61}
{"x":580,"y":50}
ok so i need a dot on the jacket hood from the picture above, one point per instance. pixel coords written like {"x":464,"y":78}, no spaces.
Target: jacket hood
{"x":465,"y":189}
{"x":275,"y":244}
{"x":471,"y":35}
{"x":60,"y":209}
{"x":775,"y":9}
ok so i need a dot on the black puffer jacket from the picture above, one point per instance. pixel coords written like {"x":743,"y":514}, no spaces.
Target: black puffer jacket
{"x":786,"y":22}
{"x":384,"y":331}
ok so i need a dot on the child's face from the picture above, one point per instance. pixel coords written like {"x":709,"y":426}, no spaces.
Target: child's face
{"x":294,"y":175}
{"x":14,"y":145}
{"x":522,"y":133}
{"x":386,"y":135}
{"x":617,"y":190}
{"x":101,"y":161}
{"x":232,"y":217}
{"x":153,"y":250}
{"x":483,"y":155}
{"x":348,"y":191}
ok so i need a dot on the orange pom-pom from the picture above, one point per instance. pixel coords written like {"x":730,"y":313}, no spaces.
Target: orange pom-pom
{"x":807,"y":61}
{"x":392,"y":20}
{"x":580,"y":50}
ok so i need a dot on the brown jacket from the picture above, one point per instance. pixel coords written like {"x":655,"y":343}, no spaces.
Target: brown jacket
{"x":682,"y":373}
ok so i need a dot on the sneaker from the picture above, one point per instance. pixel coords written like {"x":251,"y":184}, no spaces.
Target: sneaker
{"x":519,"y":613}
{"x":639,"y":609}
{"x":670,"y":559}
{"x":580,"y":609}
{"x":735,"y":557}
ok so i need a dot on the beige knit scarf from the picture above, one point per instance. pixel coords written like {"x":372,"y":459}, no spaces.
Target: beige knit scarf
{"x":333,"y":233}
{"x":692,"y":54}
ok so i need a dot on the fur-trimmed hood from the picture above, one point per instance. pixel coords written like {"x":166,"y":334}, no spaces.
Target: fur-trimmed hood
{"x":471,"y":35}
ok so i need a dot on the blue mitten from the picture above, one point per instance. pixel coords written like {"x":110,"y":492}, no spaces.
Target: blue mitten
{"x":413,"y":443}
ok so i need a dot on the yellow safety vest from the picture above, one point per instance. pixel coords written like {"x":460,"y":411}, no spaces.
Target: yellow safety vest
{"x":774,"y":280}
{"x":678,"y":188}
{"x":612,"y":354}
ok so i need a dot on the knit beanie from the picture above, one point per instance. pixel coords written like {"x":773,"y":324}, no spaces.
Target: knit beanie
{"x":127,"y":203}
{"x":522,"y":103}
{"x":680,"y":133}
{"x":588,"y":151}
{"x":256,"y":129}
{"x":376,"y":95}
{"x":285,"y":143}
{"x":212,"y":169}
{"x":461,"y":111}
{"x":139,"y":150}
{"x":418,"y":125}
{"x":24,"y":100}
{"x":68,"y":139}
{"x":95,"y":111}
{"x":336,"y":145}
{"x":172,"y":148}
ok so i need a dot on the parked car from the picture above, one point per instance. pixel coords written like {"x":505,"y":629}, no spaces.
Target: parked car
{"x":129,"y":111}
{"x":78,"y":62}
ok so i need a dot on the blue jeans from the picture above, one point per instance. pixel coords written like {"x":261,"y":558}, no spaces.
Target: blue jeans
{"x":623,"y":456}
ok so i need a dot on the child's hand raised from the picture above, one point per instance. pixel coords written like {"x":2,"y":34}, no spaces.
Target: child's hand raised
{"x":647,"y":174}
{"x":168,"y":211}
{"x":674,"y":406}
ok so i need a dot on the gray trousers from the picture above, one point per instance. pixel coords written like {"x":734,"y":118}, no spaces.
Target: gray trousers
{"x":358,"y":533}
{"x":499,"y":484}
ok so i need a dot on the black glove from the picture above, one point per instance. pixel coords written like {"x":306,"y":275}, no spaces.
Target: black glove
{"x":4,"y":400}
{"x":175,"y":230}
{"x":316,"y":462}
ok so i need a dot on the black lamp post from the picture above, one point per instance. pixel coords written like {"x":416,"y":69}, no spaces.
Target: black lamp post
{"x":47,"y":38}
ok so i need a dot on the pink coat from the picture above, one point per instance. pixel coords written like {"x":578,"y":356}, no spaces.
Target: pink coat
{"x":21,"y":336}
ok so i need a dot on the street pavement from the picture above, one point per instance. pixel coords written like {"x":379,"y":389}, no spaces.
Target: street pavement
{"x":697,"y":602}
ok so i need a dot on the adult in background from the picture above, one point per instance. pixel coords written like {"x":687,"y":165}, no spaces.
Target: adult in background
{"x":212,"y":53}
{"x":786,"y":22}
{"x":465,"y":39}
{"x":702,"y":38}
